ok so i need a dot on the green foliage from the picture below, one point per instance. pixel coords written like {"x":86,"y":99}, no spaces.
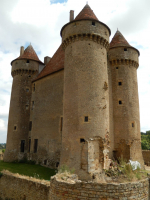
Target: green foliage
{"x":3,"y":150}
{"x":145,"y":140}
{"x":36,"y":171}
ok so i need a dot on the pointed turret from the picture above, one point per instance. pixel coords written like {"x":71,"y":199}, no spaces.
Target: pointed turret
{"x":29,"y":54}
{"x":86,"y":13}
{"x":119,"y":41}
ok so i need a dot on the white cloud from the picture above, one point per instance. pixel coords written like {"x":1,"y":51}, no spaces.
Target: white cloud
{"x":40,"y":22}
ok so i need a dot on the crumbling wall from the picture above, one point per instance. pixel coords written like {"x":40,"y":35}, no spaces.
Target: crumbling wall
{"x":16,"y":187}
{"x":102,"y":191}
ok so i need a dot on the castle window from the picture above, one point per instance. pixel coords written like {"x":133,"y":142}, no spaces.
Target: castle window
{"x":119,"y":83}
{"x":125,"y":49}
{"x":27,"y":61}
{"x":57,"y":164}
{"x":27,"y":107}
{"x":120,"y":102}
{"x":29,"y":144}
{"x":27,"y":90}
{"x":15,"y":128}
{"x":34,"y":87}
{"x":61,"y":123}
{"x":30,"y":125}
{"x":82,"y":140}
{"x":86,"y":119}
{"x":116,"y":67}
{"x":93,"y":23}
{"x":29,"y":76}
{"x":32,"y":105}
{"x":45,"y":162}
{"x":133,"y":124}
{"x":22,"y":145}
{"x":35,"y":145}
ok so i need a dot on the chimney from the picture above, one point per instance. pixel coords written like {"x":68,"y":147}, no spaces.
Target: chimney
{"x":46,"y":59}
{"x":71,"y":15}
{"x":21,"y":50}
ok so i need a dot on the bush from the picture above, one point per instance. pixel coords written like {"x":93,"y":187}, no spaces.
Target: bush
{"x":3,"y":150}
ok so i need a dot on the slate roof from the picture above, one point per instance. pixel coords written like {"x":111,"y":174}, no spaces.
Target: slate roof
{"x":55,"y":64}
{"x":30,"y":54}
{"x":86,"y":13}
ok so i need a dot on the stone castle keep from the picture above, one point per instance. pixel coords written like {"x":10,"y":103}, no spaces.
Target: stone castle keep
{"x":79,"y":108}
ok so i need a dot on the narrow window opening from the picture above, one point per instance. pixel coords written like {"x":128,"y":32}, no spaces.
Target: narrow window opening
{"x":89,"y":44}
{"x":15,"y":128}
{"x":30,"y":125}
{"x":86,"y":119}
{"x":22,"y":145}
{"x":27,"y":90}
{"x":119,"y":83}
{"x":29,"y":76}
{"x":116,"y":67}
{"x":125,"y":49}
{"x":34,"y":87}
{"x":27,"y":107}
{"x":82,"y":140}
{"x":28,"y":61}
{"x":93,"y":177}
{"x":45,"y":162}
{"x":132,"y":124}
{"x":32,"y":105}
{"x":29,"y":144}
{"x":120,"y":102}
{"x":57,"y":164}
{"x":93,"y":23}
{"x":61,"y":123}
{"x":35,"y":145}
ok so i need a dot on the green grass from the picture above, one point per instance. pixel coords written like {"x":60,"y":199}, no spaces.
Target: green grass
{"x":36,"y":171}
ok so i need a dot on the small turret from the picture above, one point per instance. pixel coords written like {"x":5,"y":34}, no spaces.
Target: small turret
{"x":124,"y":62}
{"x":24,"y":69}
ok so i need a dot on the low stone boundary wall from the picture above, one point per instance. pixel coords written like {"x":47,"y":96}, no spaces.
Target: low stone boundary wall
{"x":146,"y":156}
{"x":17,"y":187}
{"x":96,"y":191}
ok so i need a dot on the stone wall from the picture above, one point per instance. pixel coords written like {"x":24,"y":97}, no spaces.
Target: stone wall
{"x":146,"y":156}
{"x":97,"y":191}
{"x":16,"y":187}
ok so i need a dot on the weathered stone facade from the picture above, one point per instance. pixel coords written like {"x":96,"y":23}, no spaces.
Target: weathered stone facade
{"x":16,"y":187}
{"x":96,"y":191}
{"x":80,"y":109}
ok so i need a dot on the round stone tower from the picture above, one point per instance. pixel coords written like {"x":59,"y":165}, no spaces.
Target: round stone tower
{"x":86,"y":102}
{"x":24,"y":69}
{"x":124,"y":62}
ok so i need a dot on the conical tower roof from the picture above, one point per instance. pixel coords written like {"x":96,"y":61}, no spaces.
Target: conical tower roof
{"x":29,"y":54}
{"x":119,"y":41}
{"x":86,"y":13}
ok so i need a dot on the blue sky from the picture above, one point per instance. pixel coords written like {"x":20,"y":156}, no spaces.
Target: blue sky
{"x":40,"y":22}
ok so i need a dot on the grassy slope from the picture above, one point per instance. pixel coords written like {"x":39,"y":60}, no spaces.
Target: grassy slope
{"x":28,"y":170}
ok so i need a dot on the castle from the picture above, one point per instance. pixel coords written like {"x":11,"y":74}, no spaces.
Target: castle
{"x":79,"y":108}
